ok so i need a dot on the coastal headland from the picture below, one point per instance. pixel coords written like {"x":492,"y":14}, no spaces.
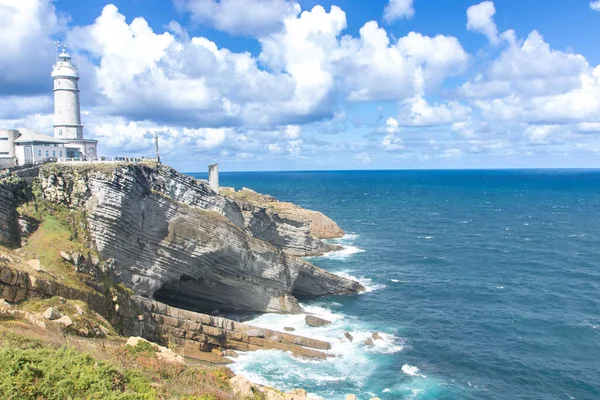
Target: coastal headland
{"x":110,"y":251}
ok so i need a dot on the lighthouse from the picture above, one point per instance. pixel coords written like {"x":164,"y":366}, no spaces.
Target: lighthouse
{"x":67,"y":112}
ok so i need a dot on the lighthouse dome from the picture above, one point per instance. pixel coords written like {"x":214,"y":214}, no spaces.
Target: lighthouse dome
{"x":64,"y":67}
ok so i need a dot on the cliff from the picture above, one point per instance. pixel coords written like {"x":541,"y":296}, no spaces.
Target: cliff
{"x":170,"y":237}
{"x":297,"y":230}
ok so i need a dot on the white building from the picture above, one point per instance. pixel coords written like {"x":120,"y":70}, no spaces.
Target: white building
{"x":24,"y":146}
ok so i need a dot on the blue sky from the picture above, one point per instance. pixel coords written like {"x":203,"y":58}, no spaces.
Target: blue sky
{"x":307,"y":84}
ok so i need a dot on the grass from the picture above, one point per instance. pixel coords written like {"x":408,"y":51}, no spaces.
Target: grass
{"x":47,"y":242}
{"x":37,"y":369}
{"x":84,"y":168}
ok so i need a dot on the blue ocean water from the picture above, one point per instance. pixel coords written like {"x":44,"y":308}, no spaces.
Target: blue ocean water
{"x":486,"y":285}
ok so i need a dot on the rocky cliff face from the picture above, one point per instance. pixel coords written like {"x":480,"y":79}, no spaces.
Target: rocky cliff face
{"x":297,"y":230}
{"x":12,"y":193}
{"x":172,"y":238}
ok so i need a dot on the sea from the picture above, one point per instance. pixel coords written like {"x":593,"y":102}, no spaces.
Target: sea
{"x":482,"y":285}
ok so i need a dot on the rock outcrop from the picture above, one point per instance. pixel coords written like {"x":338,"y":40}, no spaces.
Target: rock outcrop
{"x":171,"y":237}
{"x":12,"y":192}
{"x":194,"y":334}
{"x":299,"y":231}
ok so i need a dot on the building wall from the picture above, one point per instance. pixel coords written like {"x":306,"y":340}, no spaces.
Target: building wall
{"x":67,"y":113}
{"x":7,"y":143}
{"x":88,"y":149}
{"x":7,"y":147}
{"x":27,"y":153}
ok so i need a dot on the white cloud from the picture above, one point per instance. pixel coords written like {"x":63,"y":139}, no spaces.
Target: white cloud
{"x":392,"y":126}
{"x":375,"y":69}
{"x":26,"y":30}
{"x":595,"y":5}
{"x":398,"y":9}
{"x":364,"y":158}
{"x":392,"y":143}
{"x":418,"y":112}
{"x":531,"y":82}
{"x":480,"y":19}
{"x":241,"y":17}
{"x":540,"y":134}
{"x":170,"y":77}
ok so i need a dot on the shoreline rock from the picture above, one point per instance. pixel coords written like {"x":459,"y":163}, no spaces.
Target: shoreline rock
{"x":313,"y":321}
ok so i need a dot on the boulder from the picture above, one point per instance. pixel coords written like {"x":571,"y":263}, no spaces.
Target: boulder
{"x":6,"y":258}
{"x":275,"y":338}
{"x":350,"y":397}
{"x":298,"y":392}
{"x":65,"y":320}
{"x":103,"y":329}
{"x":311,"y":320}
{"x":289,"y":329}
{"x":35,"y":264}
{"x":83,"y":332}
{"x":369,"y":342}
{"x":217,"y":352}
{"x":66,"y":256}
{"x":255,"y":333}
{"x":78,"y":310}
{"x":375,"y":398}
{"x":241,"y":387}
{"x":348,"y":336}
{"x":4,"y":304}
{"x":162,"y":353}
{"x":76,"y":257}
{"x":95,"y":260}
{"x":230,"y":353}
{"x":376,"y":336}
{"x":52,"y":314}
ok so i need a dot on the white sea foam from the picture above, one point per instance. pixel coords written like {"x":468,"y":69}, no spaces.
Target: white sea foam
{"x":348,"y":248}
{"x":368,"y":283}
{"x":345,"y":252}
{"x":499,"y":287}
{"x":354,"y":361}
{"x":411,"y":370}
{"x":395,"y":280}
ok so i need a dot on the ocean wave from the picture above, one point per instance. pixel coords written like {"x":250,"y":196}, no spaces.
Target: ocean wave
{"x":354,"y":362}
{"x":345,"y":252}
{"x":411,"y":370}
{"x":368,"y":283}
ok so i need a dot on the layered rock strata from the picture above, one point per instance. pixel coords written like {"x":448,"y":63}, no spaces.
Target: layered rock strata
{"x":171,"y":237}
{"x":192,"y":332}
{"x":297,"y":230}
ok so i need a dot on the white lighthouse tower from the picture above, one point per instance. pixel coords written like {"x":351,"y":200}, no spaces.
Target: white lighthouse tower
{"x":67,"y":113}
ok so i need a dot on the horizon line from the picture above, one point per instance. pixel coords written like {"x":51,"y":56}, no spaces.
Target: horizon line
{"x":414,"y":169}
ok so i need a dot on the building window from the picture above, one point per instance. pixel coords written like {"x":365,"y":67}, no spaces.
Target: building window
{"x":3,"y":138}
{"x":60,"y":154}
{"x":54,"y":154}
{"x":47,"y":154}
{"x":4,"y":153}
{"x":39,"y":153}
{"x":60,"y":132}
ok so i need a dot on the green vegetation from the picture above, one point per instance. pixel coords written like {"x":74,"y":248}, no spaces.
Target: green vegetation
{"x":142,"y":349}
{"x":33,"y":369}
{"x":36,"y":372}
{"x":47,"y":242}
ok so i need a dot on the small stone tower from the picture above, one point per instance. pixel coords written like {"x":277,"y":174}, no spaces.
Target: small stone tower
{"x":67,"y":115}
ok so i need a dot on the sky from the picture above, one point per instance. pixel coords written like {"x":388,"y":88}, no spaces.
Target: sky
{"x":316,"y":85}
